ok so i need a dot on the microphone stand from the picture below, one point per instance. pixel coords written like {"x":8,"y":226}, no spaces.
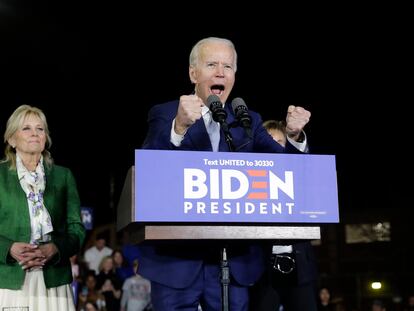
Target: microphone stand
{"x":224,"y":264}
{"x":248,"y":132}
{"x":225,"y":280}
{"x":227,"y":135}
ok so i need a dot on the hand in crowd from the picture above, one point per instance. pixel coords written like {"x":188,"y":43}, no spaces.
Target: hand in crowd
{"x":107,"y":286}
{"x":296,"y":119}
{"x":189,"y":111}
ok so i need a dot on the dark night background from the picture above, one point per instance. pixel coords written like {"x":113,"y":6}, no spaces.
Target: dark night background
{"x":86,"y":65}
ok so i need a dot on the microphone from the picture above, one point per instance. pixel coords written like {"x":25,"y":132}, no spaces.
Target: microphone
{"x":220,"y":115}
{"x":242,"y":115}
{"x":216,"y":108}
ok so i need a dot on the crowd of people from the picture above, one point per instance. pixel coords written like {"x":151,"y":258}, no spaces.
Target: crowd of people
{"x":108,"y":279}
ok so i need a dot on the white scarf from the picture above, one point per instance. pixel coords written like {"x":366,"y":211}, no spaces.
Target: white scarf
{"x":33,"y":184}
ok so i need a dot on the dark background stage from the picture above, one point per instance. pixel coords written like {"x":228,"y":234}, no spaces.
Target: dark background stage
{"x":87,"y":63}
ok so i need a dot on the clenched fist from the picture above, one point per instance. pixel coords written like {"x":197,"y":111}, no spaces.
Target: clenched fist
{"x":296,"y":119}
{"x":189,"y":111}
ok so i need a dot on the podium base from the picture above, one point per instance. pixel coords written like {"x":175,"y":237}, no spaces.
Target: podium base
{"x":140,"y":233}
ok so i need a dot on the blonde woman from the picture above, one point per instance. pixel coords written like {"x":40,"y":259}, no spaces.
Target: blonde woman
{"x":40,"y":223}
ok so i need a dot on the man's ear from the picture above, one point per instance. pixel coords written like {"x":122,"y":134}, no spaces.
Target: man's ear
{"x":193,"y":74}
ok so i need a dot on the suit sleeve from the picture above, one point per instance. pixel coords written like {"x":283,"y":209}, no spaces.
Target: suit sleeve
{"x":5,"y":245}
{"x":159,"y":131}
{"x":70,"y":241}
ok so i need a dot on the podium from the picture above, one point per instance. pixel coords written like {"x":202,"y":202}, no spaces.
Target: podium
{"x":140,"y":232}
{"x":227,"y":198}
{"x":194,"y":195}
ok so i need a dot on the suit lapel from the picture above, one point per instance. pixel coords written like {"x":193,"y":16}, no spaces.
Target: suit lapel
{"x":230,"y":119}
{"x":198,"y":136}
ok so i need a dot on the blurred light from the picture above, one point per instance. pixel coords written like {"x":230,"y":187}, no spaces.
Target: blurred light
{"x":376,"y":285}
{"x":397,"y":299}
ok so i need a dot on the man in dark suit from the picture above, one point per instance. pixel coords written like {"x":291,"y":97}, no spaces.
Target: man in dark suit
{"x":291,"y":271}
{"x":289,"y":279}
{"x":183,"y":277}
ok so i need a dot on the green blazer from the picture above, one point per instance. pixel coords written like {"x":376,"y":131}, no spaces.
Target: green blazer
{"x":62,"y":202}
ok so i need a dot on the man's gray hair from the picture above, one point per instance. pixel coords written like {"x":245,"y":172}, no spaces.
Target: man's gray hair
{"x":195,"y":51}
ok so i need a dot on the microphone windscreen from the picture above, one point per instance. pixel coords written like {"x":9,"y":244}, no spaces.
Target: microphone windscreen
{"x":238,"y":102}
{"x":213,"y":101}
{"x":242,"y":115}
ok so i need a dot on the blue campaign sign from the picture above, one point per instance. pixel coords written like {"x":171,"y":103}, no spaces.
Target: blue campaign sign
{"x":87,"y":217}
{"x":194,"y":186}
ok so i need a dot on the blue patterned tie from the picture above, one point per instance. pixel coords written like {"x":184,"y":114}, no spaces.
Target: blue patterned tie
{"x":213,"y":130}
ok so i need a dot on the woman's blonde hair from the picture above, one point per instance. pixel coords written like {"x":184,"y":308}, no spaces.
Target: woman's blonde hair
{"x":103,"y":262}
{"x":14,"y":124}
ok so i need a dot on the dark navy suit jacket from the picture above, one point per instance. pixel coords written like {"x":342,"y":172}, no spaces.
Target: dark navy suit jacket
{"x":305,"y":262}
{"x":177,"y":266}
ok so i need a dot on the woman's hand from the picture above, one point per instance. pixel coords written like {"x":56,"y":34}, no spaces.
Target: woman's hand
{"x":27,"y":255}
{"x":48,"y":250}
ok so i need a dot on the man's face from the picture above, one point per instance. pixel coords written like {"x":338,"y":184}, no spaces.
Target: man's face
{"x":215,"y":71}
{"x":100,"y":243}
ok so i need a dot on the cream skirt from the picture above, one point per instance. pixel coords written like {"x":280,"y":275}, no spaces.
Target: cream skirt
{"x":35,"y":297}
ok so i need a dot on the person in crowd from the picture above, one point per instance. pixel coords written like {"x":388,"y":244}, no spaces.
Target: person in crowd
{"x":122,"y":269}
{"x":184,"y":277}
{"x":90,"y":306}
{"x":410,"y":303}
{"x":90,"y":293}
{"x":378,"y":305}
{"x":40,"y":221}
{"x":94,"y":255}
{"x":291,"y":273}
{"x":76,"y":276}
{"x":276,"y":129}
{"x":324,"y":300}
{"x":136,"y":293}
{"x":108,"y":283}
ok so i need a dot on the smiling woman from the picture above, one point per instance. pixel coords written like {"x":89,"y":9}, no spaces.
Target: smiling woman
{"x":27,"y":134}
{"x":40,"y":227}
